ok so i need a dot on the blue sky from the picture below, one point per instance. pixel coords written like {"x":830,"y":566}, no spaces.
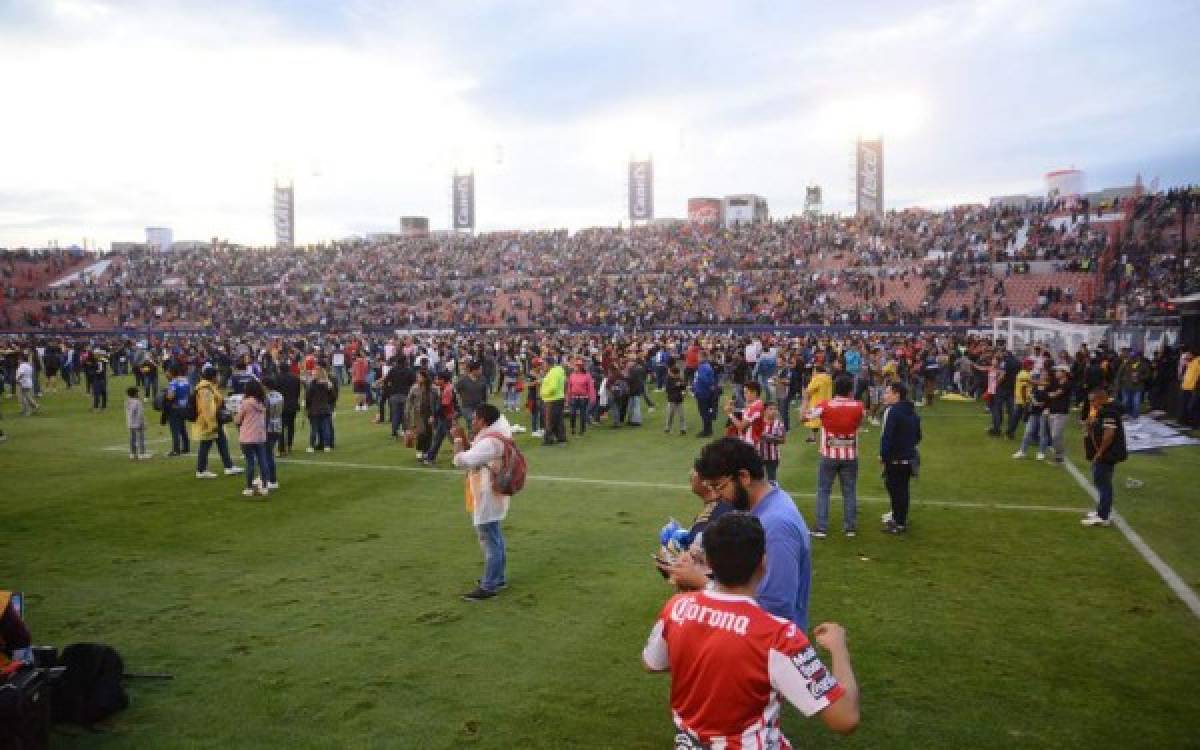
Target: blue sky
{"x":124,"y":113}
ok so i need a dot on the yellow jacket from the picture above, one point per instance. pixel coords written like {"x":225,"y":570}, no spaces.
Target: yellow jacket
{"x":1024,"y":387}
{"x":819,"y":389}
{"x":1191,"y":375}
{"x":208,"y":403}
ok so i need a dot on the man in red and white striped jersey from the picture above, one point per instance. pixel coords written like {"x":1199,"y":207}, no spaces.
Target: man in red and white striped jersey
{"x":840,"y":418}
{"x":730,"y":660}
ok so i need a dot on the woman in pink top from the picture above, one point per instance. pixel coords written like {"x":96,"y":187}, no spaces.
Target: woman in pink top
{"x":581,"y":395}
{"x":251,"y":420}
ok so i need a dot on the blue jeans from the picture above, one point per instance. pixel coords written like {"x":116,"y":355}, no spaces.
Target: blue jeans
{"x":269,"y":464}
{"x":579,"y":411}
{"x":1102,"y":477}
{"x":396,"y":405}
{"x":222,"y":448}
{"x":847,"y":473}
{"x":322,"y":430}
{"x":1131,"y":401}
{"x":441,"y":428}
{"x":256,"y":458}
{"x":179,"y":434}
{"x":491,"y":540}
{"x":1002,"y":403}
{"x":1037,"y":428}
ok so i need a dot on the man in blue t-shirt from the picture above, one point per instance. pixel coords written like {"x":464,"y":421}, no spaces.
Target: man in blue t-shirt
{"x":177,"y":397}
{"x":733,"y":471}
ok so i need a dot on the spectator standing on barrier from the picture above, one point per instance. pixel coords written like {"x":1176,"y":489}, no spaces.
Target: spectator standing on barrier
{"x":1104,"y":446}
{"x":209,"y":426}
{"x":839,"y":417}
{"x":730,"y":660}
{"x":732,"y":471}
{"x":898,"y":453}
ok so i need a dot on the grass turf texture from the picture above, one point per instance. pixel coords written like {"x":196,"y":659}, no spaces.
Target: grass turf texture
{"x":328,"y":616}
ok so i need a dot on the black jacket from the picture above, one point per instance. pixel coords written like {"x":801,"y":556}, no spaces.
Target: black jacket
{"x":289,"y":387}
{"x":901,"y":432}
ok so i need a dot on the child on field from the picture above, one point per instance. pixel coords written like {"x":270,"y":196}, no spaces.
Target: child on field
{"x":773,"y":435}
{"x":135,"y":420}
{"x":251,"y":420}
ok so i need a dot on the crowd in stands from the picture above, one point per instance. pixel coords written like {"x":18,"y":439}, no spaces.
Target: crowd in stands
{"x":962,"y":265}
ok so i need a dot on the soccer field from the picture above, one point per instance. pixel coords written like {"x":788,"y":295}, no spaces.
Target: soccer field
{"x":329,"y":615}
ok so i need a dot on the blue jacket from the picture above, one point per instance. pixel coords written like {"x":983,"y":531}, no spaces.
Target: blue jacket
{"x":705,"y":382}
{"x":901,"y":432}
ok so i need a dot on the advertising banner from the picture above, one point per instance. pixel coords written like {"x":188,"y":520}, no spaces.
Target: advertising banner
{"x":704,"y":211}
{"x":641,"y":190}
{"x":463,"y":201}
{"x":868,"y":171}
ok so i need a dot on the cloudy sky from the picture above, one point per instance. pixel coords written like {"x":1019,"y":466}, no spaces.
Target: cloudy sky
{"x":120,"y":114}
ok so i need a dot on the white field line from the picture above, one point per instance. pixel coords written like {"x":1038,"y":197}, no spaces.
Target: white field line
{"x":1172,"y":579}
{"x":656,"y":485}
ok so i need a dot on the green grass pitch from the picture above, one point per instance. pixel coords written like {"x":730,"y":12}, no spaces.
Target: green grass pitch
{"x":329,"y":616}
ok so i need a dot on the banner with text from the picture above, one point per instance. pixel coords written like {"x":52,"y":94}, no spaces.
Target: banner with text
{"x":868,"y":172}
{"x":641,"y":190}
{"x":463,"y":200}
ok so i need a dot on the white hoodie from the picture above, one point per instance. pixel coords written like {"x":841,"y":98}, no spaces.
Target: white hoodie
{"x":480,"y":461}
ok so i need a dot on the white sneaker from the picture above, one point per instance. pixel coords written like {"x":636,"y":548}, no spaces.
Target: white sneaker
{"x":272,"y":485}
{"x":538,"y":433}
{"x":886,"y":517}
{"x":205,"y":475}
{"x":1095,"y":521}
{"x":234,"y":470}
{"x":1041,"y":456}
{"x":248,"y":492}
{"x":310,"y":449}
{"x":1019,"y":454}
{"x":1092,"y":514}
{"x":144,"y":456}
{"x":261,"y":492}
{"x":132,"y":456}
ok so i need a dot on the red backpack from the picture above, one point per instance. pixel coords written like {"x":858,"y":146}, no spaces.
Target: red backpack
{"x":509,"y":479}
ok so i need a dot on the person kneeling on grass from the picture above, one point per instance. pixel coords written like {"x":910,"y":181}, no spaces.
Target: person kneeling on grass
{"x":730,"y":660}
{"x":486,"y":506}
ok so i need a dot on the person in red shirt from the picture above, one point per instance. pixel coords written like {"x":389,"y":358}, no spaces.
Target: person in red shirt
{"x":730,"y":660}
{"x":750,"y":425}
{"x":358,"y":377}
{"x":840,"y":416}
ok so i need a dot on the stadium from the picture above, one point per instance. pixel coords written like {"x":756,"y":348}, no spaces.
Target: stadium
{"x":446,"y":438}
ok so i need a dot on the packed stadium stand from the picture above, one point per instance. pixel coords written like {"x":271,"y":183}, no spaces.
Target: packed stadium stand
{"x":962,"y":265}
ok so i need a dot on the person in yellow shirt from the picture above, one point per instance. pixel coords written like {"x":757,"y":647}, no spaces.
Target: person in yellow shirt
{"x":1023,"y":392}
{"x":818,"y":390}
{"x":1191,"y":391}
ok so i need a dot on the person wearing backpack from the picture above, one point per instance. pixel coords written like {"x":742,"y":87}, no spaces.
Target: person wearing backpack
{"x":1104,"y":445}
{"x":495,"y":470}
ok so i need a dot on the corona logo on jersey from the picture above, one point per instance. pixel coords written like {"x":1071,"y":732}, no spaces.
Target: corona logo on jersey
{"x":686,"y":609}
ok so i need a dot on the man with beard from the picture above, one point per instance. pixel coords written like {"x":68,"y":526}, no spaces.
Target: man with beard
{"x":733,"y":471}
